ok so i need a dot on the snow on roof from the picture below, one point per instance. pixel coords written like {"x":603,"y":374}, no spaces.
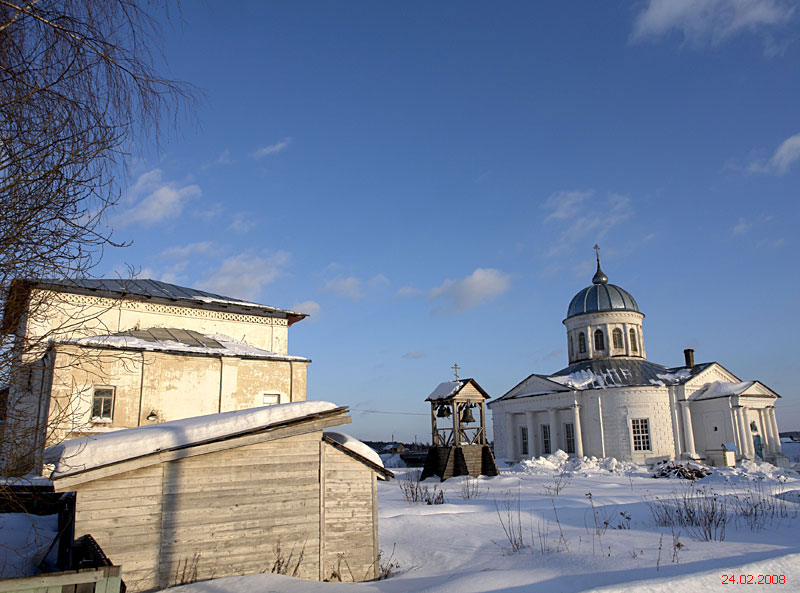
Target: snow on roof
{"x":89,"y":452}
{"x":184,"y":341}
{"x":721,"y":389}
{"x":355,"y":446}
{"x":446,"y":389}
{"x":677,"y":376}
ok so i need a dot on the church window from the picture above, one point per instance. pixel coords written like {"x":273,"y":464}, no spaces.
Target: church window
{"x":599,"y":340}
{"x":270,"y":399}
{"x":581,"y":342}
{"x":569,"y":437}
{"x":634,"y":342}
{"x":617,"y":337}
{"x":523,"y":439}
{"x":546,"y":439}
{"x":103,"y":404}
{"x":641,"y":434}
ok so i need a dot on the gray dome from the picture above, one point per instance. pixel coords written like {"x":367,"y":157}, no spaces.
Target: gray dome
{"x":601,"y":297}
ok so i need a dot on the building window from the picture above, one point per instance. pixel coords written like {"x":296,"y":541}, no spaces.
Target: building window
{"x":103,"y":404}
{"x":569,"y":437}
{"x":641,"y":434}
{"x":523,"y":439}
{"x":634,"y":342}
{"x":617,"y":337}
{"x":581,"y":342}
{"x":546,"y":439}
{"x":599,"y":340}
{"x":270,"y":399}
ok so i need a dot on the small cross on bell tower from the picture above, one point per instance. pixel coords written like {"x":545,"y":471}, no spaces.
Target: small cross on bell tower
{"x":460,"y":446}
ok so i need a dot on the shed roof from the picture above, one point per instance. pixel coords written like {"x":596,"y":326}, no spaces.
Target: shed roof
{"x":91,"y":452}
{"x":146,"y":289}
{"x":179,"y":341}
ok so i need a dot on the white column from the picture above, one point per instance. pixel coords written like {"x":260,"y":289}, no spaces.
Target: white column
{"x":626,"y":339}
{"x":772,"y":421}
{"x":554,"y":446}
{"x":511,"y":452}
{"x":688,"y":433}
{"x":768,"y":441}
{"x":736,"y":430}
{"x":530,"y":423}
{"x":602,"y":433}
{"x":744,"y":441}
{"x":576,"y":424}
{"x":589,"y":343}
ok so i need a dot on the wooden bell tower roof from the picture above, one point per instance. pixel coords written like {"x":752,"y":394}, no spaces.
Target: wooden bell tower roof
{"x":465,"y":389}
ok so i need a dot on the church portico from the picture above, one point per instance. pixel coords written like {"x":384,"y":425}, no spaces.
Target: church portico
{"x":612,"y":402}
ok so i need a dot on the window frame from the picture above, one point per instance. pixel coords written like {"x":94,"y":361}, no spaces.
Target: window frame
{"x":640,"y":434}
{"x":617,"y":339}
{"x":634,"y":340}
{"x":581,"y":343}
{"x":599,"y":340}
{"x":101,"y":418}
{"x":547,"y":448}
{"x":524,"y":447}
{"x":569,"y":437}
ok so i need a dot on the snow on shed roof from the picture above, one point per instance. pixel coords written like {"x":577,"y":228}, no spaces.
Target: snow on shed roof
{"x":451,"y":388}
{"x":85,"y":453}
{"x":163,"y":339}
{"x":356,"y":446}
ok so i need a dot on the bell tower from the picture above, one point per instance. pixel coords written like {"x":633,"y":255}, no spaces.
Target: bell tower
{"x":460,"y":446}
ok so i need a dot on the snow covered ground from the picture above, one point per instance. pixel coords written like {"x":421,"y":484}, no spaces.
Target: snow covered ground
{"x":567,"y":546}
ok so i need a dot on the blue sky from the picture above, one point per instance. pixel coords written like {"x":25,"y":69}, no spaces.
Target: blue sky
{"x":428,"y":179}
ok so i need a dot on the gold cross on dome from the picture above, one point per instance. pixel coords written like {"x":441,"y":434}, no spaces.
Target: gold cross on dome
{"x":455,"y":368}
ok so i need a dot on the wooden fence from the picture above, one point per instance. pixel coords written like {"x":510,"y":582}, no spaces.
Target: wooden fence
{"x":106,"y":579}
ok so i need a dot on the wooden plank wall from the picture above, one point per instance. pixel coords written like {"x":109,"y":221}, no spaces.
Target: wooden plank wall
{"x":350,"y":518}
{"x":220,"y":514}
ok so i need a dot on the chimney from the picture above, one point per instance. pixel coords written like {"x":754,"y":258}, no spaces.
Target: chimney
{"x":688,"y":356}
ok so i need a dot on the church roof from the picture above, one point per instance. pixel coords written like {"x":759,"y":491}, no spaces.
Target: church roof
{"x":145,"y":289}
{"x":615,"y":372}
{"x":449,"y":389}
{"x":180,"y":341}
{"x":601,"y":296}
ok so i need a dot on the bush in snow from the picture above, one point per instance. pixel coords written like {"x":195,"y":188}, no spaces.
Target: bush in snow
{"x":677,"y":470}
{"x":701,"y":512}
{"x":414,"y":491}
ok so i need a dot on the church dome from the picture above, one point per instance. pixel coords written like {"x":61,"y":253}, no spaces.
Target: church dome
{"x":601,"y":296}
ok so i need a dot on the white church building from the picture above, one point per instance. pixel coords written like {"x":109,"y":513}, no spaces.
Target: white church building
{"x":612,"y":402}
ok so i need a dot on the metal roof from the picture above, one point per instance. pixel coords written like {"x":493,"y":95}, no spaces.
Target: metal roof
{"x":187,"y":337}
{"x":155,"y":289}
{"x":616,"y":372}
{"x":601,"y":297}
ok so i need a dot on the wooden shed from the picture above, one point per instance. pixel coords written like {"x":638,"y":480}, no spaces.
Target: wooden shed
{"x":228,"y":494}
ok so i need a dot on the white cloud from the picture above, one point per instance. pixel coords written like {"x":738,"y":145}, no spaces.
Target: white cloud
{"x":742,"y":227}
{"x":186,"y":251}
{"x":566,"y":204}
{"x":786,"y":155}
{"x":312,"y":308}
{"x":710,"y":21}
{"x":163,"y":200}
{"x":242,"y":222}
{"x":348,"y":287}
{"x":243,"y":276}
{"x":587,"y":217}
{"x":413,"y":355}
{"x":408,"y":291}
{"x":480,"y":287}
{"x":260,"y":153}
{"x":379,"y":280}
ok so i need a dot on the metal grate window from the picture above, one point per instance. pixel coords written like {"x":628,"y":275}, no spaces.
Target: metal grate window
{"x":103,"y":403}
{"x":569,"y":437}
{"x":634,"y":341}
{"x":546,"y":439}
{"x":617,"y":336}
{"x":641,"y":434}
{"x":523,"y":439}
{"x":599,"y":340}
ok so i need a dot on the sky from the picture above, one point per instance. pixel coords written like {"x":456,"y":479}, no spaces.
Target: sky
{"x":427,"y":181}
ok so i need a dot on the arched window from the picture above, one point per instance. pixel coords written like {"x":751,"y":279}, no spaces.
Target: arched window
{"x":634,"y":341}
{"x":617,"y":336}
{"x":571,"y":348}
{"x":582,"y":343}
{"x":599,"y":340}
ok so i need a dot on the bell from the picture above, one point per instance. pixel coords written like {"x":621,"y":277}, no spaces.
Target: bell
{"x":466,"y":415}
{"x":443,"y":411}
